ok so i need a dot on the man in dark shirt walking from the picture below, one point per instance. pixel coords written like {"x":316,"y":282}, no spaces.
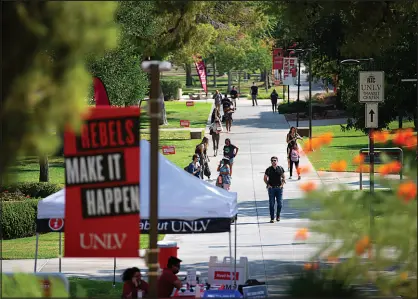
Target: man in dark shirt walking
{"x":234,"y":95}
{"x":254,"y":93}
{"x":275,"y":179}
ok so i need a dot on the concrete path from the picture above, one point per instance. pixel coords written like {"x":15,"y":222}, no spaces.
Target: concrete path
{"x":304,"y":86}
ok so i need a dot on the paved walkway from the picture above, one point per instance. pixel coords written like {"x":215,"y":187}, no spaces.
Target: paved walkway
{"x":270,"y":248}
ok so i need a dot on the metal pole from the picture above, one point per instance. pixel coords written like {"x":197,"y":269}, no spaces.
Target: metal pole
{"x":297,"y":111}
{"x":59,"y":252}
{"x":288,"y":94}
{"x":310,"y":97}
{"x":235,"y":254}
{"x":114,"y":272}
{"x":36,"y":251}
{"x":284,"y":94}
{"x":230,"y":257}
{"x":155,"y":118}
{"x":371,"y":153}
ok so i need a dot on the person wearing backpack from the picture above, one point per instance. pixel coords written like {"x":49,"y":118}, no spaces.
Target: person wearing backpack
{"x":274,"y":97}
{"x":294,"y":159}
{"x":194,"y":166}
{"x":201,"y":151}
{"x":275,"y":179}
{"x":215,"y":130}
{"x":225,"y":173}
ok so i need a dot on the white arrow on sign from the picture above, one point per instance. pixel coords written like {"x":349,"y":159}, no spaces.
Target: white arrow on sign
{"x":372,"y":115}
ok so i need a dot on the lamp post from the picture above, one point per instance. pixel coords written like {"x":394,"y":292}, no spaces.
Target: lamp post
{"x":154,"y":67}
{"x":371,"y":138}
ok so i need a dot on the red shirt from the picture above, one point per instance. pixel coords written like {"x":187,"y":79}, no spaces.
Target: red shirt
{"x":166,"y":283}
{"x":130,"y":288}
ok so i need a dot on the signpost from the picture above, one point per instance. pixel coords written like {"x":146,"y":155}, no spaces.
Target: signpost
{"x":372,"y":115}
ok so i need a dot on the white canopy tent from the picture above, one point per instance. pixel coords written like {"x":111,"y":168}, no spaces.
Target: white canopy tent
{"x":182,"y":198}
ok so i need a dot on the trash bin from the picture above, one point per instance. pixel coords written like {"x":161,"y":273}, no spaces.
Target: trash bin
{"x":167,"y":249}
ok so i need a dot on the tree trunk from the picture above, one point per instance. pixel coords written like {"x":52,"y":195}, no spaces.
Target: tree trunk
{"x":229,"y":81}
{"x":214,"y":71}
{"x":43,"y":169}
{"x":189,"y":78}
{"x":263,"y":76}
{"x":266,"y":83}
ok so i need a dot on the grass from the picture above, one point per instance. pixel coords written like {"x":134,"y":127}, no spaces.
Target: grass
{"x":344,"y":146}
{"x":176,"y":111}
{"x":87,"y":288}
{"x":24,"y":248}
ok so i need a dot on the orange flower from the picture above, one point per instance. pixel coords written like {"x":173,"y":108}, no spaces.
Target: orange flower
{"x":381,"y":137}
{"x":401,"y":136}
{"x":307,"y":266}
{"x":363,"y":168}
{"x":326,"y":138}
{"x":338,"y":165}
{"x":362,"y":245}
{"x":407,"y":191}
{"x":392,"y":167}
{"x":304,"y":169}
{"x":310,"y":145}
{"x":411,"y":142}
{"x":359,"y":159}
{"x":403,"y":276}
{"x":301,"y":234}
{"x":308,"y":186}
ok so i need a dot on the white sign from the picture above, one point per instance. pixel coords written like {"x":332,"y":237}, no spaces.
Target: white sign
{"x":221,"y":272}
{"x":191,"y":277}
{"x":372,"y":115}
{"x":371,"y":87}
{"x":288,"y":64}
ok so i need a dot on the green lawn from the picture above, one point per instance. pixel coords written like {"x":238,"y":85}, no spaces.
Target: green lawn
{"x":176,"y":111}
{"x":24,"y":248}
{"x":344,"y":146}
{"x":87,"y":288}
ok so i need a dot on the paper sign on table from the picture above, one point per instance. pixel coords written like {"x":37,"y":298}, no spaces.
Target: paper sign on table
{"x":189,"y":103}
{"x":185,"y":123}
{"x":102,"y":185}
{"x":256,"y":292}
{"x":191,"y":277}
{"x":169,"y":149}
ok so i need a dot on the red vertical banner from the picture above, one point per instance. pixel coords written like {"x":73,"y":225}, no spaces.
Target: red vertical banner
{"x":102,"y":184}
{"x":278,"y":59}
{"x":201,"y":71}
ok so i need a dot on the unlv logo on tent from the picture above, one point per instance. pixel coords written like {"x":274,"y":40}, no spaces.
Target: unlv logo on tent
{"x":56,"y":223}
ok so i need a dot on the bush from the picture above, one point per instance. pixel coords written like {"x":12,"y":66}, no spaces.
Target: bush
{"x":170,"y":88}
{"x":33,"y":189}
{"x":19,"y":219}
{"x":13,"y":196}
{"x":293,"y":107}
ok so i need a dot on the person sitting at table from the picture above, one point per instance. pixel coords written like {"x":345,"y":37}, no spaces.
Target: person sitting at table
{"x":132,"y":284}
{"x":168,"y":279}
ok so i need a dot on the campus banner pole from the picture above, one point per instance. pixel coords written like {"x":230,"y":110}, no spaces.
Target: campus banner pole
{"x":59,"y":251}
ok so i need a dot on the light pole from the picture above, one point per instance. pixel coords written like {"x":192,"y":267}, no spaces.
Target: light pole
{"x":154,"y":67}
{"x":371,"y":137}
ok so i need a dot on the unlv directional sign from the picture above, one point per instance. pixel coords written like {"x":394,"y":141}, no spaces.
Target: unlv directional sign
{"x":371,"y":87}
{"x":372,"y":114}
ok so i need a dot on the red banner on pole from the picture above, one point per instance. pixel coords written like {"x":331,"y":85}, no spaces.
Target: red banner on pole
{"x":278,"y":59}
{"x":102,"y":185}
{"x":201,"y":71}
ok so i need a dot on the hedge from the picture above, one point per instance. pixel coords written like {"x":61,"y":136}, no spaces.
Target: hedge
{"x":33,"y":189}
{"x":293,"y":107}
{"x":170,"y":88}
{"x":13,"y":196}
{"x":18,"y":219}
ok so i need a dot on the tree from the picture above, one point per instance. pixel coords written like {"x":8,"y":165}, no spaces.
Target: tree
{"x":47,"y":83}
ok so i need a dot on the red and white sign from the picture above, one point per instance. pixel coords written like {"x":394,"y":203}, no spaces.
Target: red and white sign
{"x":278,"y":59}
{"x":201,"y":71}
{"x":102,"y":184}
{"x":224,"y":275}
{"x":189,"y":103}
{"x":56,"y":224}
{"x":289,"y":63}
{"x":169,"y":149}
{"x":185,"y":123}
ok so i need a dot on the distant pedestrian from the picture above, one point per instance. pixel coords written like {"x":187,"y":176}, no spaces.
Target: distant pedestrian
{"x":194,"y":167}
{"x":215,"y":130}
{"x":225,"y":172}
{"x":275,"y":179}
{"x":291,"y":139}
{"x":201,"y":150}
{"x":234,"y":95}
{"x":230,"y":151}
{"x":254,"y":93}
{"x":217,"y":99}
{"x":228,"y":108}
{"x":294,"y":159}
{"x":274,"y":97}
{"x":215,"y":114}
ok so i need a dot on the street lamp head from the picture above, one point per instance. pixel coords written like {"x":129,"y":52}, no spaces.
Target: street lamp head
{"x":350,"y":61}
{"x":163,"y":66}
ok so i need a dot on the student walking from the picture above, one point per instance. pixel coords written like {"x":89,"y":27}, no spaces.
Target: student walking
{"x":234,"y":95}
{"x":228,"y":110}
{"x":291,"y":139}
{"x":230,"y":151}
{"x":201,"y":151}
{"x":225,"y":173}
{"x":294,"y":159}
{"x":274,"y":97}
{"x":254,"y":93}
{"x":275,"y":179}
{"x":217,"y":100}
{"x":215,"y":130}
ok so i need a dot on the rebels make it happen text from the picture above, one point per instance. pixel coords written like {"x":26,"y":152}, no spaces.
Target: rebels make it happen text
{"x":104,"y":168}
